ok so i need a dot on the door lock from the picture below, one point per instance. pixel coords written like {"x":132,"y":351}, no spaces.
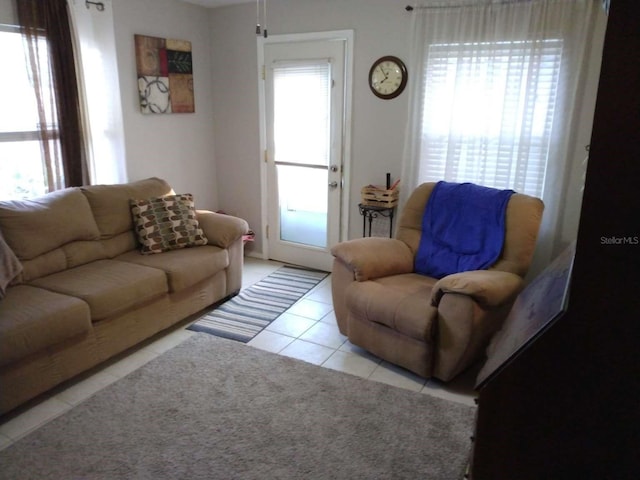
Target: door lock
{"x":333,"y":168}
{"x":333,"y":185}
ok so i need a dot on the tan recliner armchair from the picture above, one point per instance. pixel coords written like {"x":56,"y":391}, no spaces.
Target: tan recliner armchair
{"x":435,"y":328}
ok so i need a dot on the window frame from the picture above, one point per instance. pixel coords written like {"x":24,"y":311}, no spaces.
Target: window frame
{"x":35,"y":135}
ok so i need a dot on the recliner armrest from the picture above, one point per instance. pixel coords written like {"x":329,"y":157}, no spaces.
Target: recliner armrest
{"x":374,"y":257}
{"x":221,"y":230}
{"x":489,"y":288}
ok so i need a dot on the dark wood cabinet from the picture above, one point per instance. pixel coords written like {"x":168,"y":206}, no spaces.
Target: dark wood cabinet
{"x":569,"y":405}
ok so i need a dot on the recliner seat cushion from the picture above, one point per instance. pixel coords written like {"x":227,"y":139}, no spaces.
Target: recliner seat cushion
{"x":34,"y":319}
{"x":400,"y":302}
{"x":108,"y":286}
{"x":185,"y":267}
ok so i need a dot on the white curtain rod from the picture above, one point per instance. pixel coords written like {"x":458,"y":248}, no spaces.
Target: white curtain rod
{"x":468,"y":3}
{"x":472,"y":3}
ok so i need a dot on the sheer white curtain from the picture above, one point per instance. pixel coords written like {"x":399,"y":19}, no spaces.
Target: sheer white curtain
{"x":495,"y":98}
{"x":100,"y":86}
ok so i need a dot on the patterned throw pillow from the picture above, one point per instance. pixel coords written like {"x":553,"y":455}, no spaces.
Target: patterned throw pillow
{"x":166,"y":223}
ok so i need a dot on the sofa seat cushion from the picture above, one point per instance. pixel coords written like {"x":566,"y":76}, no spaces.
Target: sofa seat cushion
{"x":108,"y":286}
{"x":184,"y":267}
{"x":400,"y":302}
{"x":32,"y":319}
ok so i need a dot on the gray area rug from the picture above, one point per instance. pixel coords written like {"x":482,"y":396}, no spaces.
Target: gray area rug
{"x":213,"y":408}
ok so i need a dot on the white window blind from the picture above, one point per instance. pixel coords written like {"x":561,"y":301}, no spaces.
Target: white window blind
{"x":302,"y":112}
{"x":488,"y":112}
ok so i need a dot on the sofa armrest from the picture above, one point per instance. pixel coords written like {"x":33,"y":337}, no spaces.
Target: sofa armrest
{"x":220,"y":229}
{"x":488,"y":288}
{"x":374,"y":257}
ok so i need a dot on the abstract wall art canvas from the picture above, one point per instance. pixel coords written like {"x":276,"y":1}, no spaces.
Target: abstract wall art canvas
{"x":165,"y":75}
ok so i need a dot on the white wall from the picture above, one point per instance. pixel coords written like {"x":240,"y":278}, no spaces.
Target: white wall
{"x":7,"y":12}
{"x":178,"y":147}
{"x":381,"y":27}
{"x":378,"y":126}
{"x":226,"y":174}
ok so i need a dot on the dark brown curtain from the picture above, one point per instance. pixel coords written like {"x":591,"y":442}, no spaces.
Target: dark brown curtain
{"x":57,"y":93}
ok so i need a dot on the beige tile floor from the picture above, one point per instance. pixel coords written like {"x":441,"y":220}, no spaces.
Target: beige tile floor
{"x":307,"y":331}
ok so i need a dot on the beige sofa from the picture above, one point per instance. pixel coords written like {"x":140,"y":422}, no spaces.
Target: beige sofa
{"x":86,"y":293}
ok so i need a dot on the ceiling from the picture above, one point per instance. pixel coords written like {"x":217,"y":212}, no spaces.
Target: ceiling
{"x":216,"y":3}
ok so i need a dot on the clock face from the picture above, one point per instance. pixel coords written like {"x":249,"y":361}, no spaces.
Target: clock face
{"x":387,"y":77}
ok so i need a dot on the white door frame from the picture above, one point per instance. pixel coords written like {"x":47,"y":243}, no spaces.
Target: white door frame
{"x":347,"y":37}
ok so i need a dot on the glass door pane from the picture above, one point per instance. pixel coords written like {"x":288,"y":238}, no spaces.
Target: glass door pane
{"x":303,"y":205}
{"x":301,"y":127}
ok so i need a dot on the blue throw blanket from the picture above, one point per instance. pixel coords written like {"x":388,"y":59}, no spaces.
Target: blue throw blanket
{"x":463,"y":229}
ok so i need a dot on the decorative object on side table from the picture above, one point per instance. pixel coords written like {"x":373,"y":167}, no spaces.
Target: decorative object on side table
{"x":377,"y":202}
{"x":165,"y":75}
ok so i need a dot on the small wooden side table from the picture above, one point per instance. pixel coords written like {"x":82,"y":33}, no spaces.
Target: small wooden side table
{"x":370,"y":212}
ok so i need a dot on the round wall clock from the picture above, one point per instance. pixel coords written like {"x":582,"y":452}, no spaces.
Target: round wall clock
{"x":387,"y":77}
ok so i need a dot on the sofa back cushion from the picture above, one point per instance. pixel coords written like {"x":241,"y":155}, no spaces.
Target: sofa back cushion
{"x":112,"y":211}
{"x":51,"y":233}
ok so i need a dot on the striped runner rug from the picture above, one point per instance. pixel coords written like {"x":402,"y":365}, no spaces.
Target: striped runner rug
{"x":244,"y":316}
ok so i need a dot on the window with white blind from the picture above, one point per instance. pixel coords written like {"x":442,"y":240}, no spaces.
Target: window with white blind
{"x":302,"y":106}
{"x":488,"y":110}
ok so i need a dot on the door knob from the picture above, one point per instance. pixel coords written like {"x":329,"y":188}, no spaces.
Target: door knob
{"x":333,"y":185}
